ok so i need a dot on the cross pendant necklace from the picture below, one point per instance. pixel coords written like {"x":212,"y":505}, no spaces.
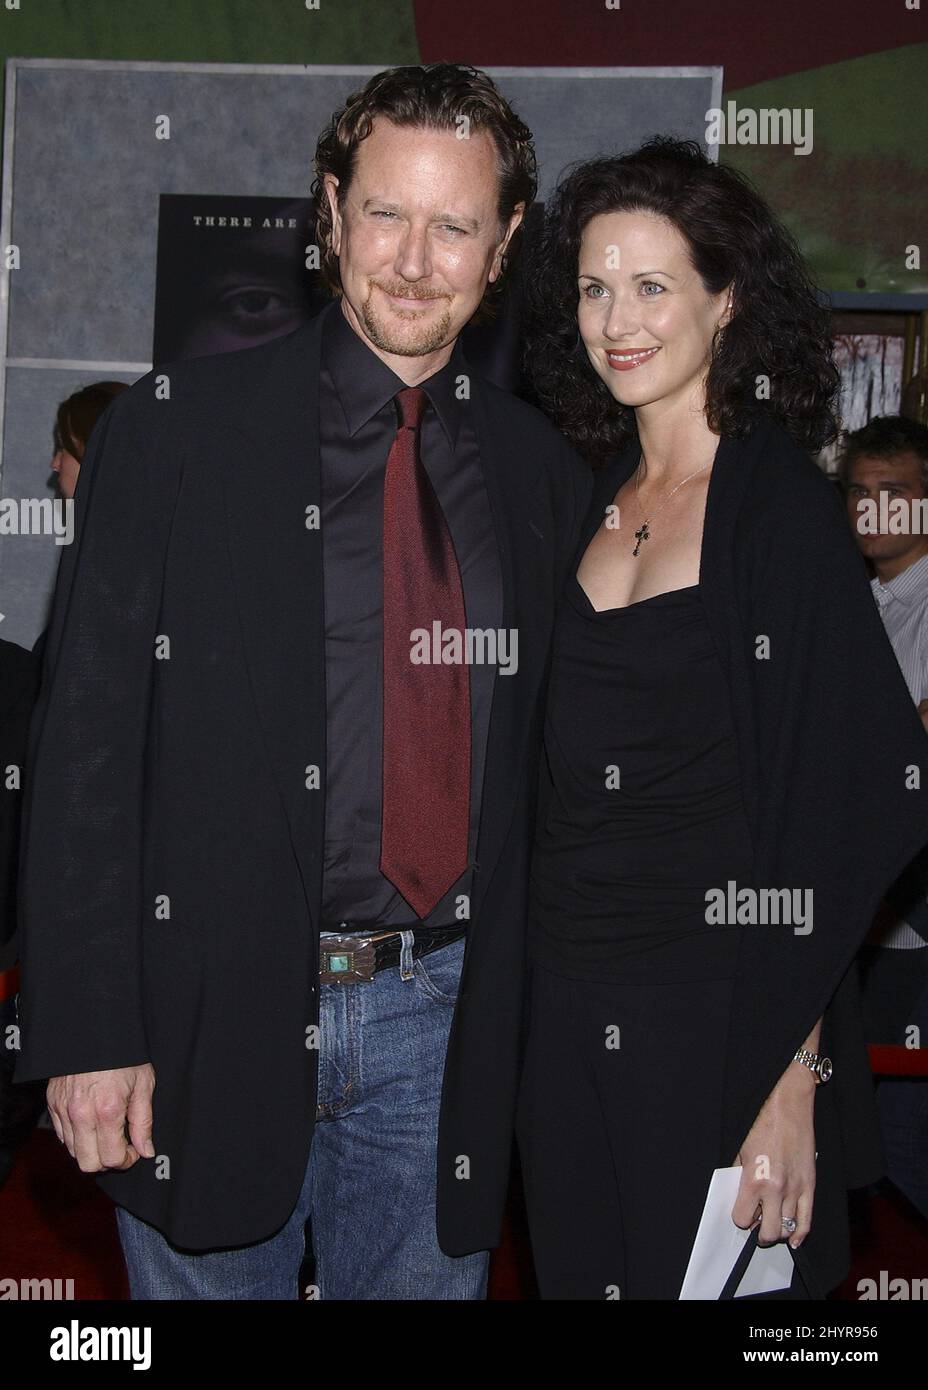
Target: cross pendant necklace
{"x":644,"y":531}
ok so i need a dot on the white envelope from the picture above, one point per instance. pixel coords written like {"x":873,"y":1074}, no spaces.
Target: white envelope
{"x":719,"y":1242}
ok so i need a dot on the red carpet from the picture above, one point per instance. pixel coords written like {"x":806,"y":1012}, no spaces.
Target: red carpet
{"x":55,"y":1223}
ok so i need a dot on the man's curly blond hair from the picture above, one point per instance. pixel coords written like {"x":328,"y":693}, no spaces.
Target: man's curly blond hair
{"x":435,"y":97}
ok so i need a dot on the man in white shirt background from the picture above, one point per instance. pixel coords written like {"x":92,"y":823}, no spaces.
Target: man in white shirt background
{"x":884,"y":474}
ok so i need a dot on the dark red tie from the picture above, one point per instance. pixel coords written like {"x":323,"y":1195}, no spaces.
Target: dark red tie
{"x":426,"y":708}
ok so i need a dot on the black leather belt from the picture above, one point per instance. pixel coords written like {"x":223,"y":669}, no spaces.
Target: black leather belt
{"x":357,"y":956}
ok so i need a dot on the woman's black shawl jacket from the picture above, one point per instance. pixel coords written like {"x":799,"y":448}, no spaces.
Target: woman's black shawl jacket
{"x":834,"y":766}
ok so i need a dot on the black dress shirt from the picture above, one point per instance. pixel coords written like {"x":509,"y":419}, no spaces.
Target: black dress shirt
{"x":358,"y":421}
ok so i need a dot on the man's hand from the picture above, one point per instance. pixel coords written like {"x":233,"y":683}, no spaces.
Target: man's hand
{"x":91,"y":1111}
{"x":921,"y":709}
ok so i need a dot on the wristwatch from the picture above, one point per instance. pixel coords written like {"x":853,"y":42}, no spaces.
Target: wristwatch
{"x":819,"y":1066}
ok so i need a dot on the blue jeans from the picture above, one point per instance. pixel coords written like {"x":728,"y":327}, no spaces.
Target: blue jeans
{"x":369,"y":1188}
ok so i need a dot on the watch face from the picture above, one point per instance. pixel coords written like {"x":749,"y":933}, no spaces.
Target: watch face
{"x":825,"y":1068}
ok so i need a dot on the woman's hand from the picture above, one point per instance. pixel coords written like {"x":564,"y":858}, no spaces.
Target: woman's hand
{"x":778,"y":1161}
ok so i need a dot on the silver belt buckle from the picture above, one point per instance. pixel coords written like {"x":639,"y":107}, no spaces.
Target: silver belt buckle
{"x":348,"y":960}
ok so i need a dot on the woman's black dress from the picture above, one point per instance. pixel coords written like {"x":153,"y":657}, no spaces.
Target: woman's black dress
{"x":620,"y":1105}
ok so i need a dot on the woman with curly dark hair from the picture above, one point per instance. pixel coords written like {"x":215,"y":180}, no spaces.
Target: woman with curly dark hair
{"x":713,"y":835}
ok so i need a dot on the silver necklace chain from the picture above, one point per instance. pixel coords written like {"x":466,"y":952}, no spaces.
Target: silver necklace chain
{"x":644,"y":531}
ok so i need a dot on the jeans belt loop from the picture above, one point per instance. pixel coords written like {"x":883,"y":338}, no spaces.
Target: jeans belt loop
{"x":406,"y":961}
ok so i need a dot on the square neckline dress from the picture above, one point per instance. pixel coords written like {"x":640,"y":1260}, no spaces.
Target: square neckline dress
{"x":621,"y":1102}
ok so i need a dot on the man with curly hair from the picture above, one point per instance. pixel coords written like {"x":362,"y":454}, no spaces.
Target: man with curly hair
{"x":276,"y":862}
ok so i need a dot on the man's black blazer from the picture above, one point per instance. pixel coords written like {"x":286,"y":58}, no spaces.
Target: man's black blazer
{"x":173,"y":832}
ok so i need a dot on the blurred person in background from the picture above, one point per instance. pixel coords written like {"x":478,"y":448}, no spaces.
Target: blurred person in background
{"x":889,"y":458}
{"x":74,"y":421}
